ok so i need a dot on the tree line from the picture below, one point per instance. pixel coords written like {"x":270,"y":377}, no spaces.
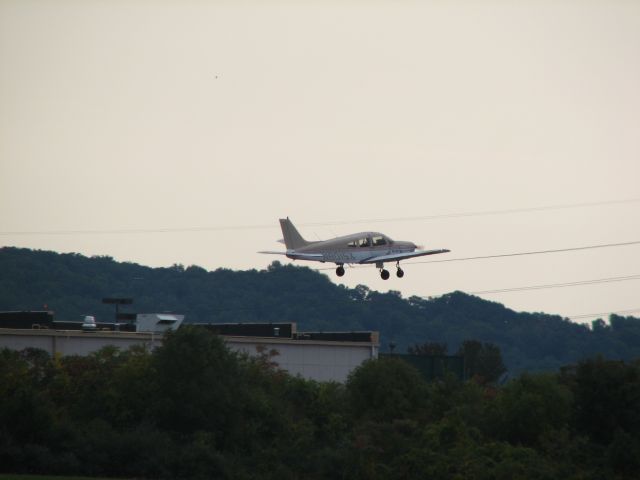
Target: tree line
{"x":194,"y":409}
{"x":73,"y":285}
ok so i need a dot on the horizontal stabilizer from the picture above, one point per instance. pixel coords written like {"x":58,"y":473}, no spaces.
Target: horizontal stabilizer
{"x":274,"y":253}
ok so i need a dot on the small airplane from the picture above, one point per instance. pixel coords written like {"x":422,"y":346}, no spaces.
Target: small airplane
{"x":363,"y":247}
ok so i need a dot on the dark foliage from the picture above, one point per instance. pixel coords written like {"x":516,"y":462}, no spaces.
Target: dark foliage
{"x":482,"y":361}
{"x":193,"y":409}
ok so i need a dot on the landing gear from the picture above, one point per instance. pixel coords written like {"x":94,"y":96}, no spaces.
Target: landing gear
{"x":384,"y":274}
{"x":340,"y":270}
{"x":399,"y":271}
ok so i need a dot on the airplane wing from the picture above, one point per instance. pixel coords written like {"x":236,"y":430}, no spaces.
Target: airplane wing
{"x":269,"y":252}
{"x":393,"y":257}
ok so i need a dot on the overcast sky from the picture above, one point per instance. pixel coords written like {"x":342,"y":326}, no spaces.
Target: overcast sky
{"x":119,"y":116}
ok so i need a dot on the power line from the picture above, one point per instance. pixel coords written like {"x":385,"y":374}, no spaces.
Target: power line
{"x":535,"y":252}
{"x":212,"y":228}
{"x":586,"y":315}
{"x":517,"y":254}
{"x":558,"y":285}
{"x":124,"y":231}
{"x":481,"y":212}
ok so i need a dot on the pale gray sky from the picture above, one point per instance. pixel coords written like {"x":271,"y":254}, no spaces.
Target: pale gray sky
{"x":152,"y":115}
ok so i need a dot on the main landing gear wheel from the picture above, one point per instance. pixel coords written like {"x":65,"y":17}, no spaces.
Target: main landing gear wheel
{"x":384,"y":274}
{"x":400,"y":272}
{"x":340,"y":270}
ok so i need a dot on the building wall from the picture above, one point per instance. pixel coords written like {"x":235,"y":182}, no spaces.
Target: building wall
{"x":316,"y":360}
{"x":74,"y":342}
{"x":322,"y":361}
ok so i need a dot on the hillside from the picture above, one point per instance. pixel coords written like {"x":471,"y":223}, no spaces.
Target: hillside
{"x":72,"y":285}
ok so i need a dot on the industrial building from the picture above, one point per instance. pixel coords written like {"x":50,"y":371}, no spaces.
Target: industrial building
{"x":322,"y":356}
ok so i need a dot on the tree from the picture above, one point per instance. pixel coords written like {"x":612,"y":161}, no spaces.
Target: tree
{"x":386,"y":389}
{"x":529,"y":407}
{"x":607,"y":398}
{"x":198,"y":383}
{"x":482,"y":361}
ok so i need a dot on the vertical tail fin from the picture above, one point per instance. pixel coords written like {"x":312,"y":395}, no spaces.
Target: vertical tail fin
{"x":292,"y":238}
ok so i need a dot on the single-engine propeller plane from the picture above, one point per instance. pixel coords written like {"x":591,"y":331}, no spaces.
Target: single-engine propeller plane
{"x":361,"y":248}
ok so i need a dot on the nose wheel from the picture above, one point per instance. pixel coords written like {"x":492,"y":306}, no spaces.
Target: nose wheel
{"x":400,"y":272}
{"x":340,"y":271}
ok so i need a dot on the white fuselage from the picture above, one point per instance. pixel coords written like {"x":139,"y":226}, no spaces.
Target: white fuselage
{"x":355,"y":248}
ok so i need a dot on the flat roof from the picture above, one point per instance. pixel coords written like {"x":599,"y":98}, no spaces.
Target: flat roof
{"x":45,"y":332}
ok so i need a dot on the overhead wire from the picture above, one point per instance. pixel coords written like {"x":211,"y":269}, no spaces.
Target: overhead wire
{"x":546,"y":286}
{"x":558,"y":285}
{"x":127,"y":231}
{"x":517,"y":254}
{"x":481,"y":212}
{"x":587,"y":315}
{"x":533,"y":252}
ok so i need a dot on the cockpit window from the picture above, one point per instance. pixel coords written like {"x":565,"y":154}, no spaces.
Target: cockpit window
{"x":364,"y":242}
{"x":379,"y":240}
{"x":352,"y":244}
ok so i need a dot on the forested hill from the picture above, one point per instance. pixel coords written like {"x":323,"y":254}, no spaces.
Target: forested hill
{"x":73,"y":285}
